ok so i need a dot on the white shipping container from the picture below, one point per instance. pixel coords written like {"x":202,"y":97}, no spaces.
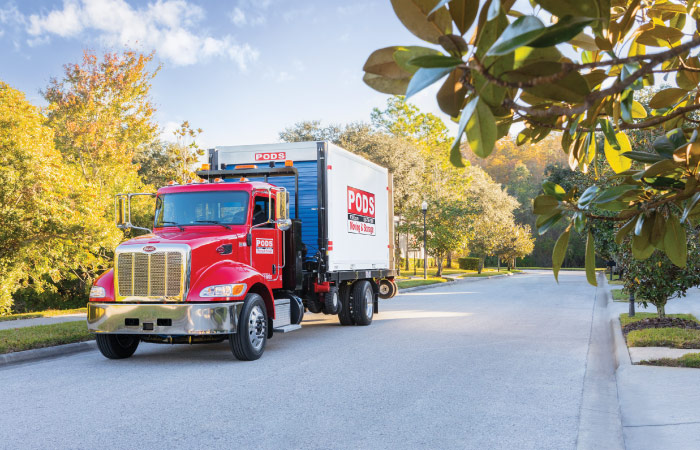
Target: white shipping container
{"x":358,"y":202}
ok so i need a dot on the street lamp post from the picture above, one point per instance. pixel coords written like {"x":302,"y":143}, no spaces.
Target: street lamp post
{"x":424,"y":207}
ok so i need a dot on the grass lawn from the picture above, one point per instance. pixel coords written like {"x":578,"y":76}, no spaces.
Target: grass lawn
{"x":616,"y":282}
{"x":564,"y":268}
{"x":487,"y":273}
{"x":27,"y":338}
{"x":47,"y":313}
{"x":402,"y":284}
{"x":620,"y":295}
{"x":689,"y":360}
{"x":664,"y":337}
{"x":626,"y":319}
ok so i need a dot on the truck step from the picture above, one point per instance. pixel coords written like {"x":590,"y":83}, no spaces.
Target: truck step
{"x":286,"y":328}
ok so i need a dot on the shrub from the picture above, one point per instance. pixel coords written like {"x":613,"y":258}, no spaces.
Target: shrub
{"x":468,"y":263}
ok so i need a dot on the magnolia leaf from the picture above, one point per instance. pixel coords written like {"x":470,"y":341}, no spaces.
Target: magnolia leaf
{"x":545,"y":222}
{"x":381,"y":62}
{"x":544,"y":204}
{"x":658,"y":229}
{"x":667,"y":98}
{"x":424,"y":78}
{"x":595,"y":77}
{"x":641,"y":249}
{"x":566,"y":29}
{"x":615,"y":158}
{"x":660,"y":36}
{"x":559,"y":253}
{"x":590,"y":259}
{"x":663,"y":167}
{"x":571,"y":88}
{"x":561,"y":8}
{"x":588,"y":196}
{"x":524,"y":56}
{"x":435,"y":61}
{"x":690,"y":205}
{"x":455,"y":151}
{"x":386,"y":85}
{"x":685,"y":79}
{"x":553,"y":189}
{"x":439,"y":5}
{"x":613,"y":193}
{"x":455,"y":45}
{"x":644,"y":157}
{"x":624,"y":230}
{"x":414,"y":15}
{"x":463,"y":13}
{"x":451,"y":95}
{"x":481,"y":130}
{"x":494,"y":10}
{"x":638,"y":110}
{"x":584,"y":41}
{"x":402,"y":55}
{"x":675,"y":243}
{"x":521,"y":32}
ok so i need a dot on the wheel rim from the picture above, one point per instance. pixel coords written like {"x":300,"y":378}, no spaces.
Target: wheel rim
{"x":369,"y":300}
{"x":334,"y":301}
{"x":257,"y":328}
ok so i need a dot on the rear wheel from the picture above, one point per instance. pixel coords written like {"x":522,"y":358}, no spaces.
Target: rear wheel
{"x":362,"y":302}
{"x":345,"y":314}
{"x":387,"y":289}
{"x":117,"y":346}
{"x":248,"y":344}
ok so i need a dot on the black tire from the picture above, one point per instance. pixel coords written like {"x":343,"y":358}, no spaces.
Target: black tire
{"x":395,"y":289}
{"x":345,"y":314}
{"x":331,"y":301}
{"x":248,"y":344}
{"x":362,"y":302}
{"x":117,"y":346}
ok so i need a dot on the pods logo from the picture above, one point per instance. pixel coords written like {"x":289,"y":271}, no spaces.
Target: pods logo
{"x":361,"y":212}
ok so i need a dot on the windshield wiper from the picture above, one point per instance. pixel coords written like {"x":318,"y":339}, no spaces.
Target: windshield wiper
{"x":175,"y":224}
{"x":214,"y":222}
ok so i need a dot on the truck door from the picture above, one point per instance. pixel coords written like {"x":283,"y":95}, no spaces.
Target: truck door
{"x":266,"y":239}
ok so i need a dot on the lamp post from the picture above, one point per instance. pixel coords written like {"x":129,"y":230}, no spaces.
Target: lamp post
{"x":424,"y":207}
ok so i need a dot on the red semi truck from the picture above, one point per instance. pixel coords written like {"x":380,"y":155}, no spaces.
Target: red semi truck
{"x":227,"y":260}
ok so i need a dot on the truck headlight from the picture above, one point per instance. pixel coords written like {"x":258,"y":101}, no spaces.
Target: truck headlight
{"x":224,"y":290}
{"x":97,"y":292}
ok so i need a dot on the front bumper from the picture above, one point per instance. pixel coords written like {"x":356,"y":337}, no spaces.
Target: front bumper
{"x":164,"y":319}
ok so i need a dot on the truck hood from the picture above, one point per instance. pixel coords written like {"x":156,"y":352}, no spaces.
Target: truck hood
{"x":195,"y":236}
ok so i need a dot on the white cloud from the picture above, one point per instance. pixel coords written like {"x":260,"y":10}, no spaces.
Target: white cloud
{"x":170,"y":27}
{"x":250,"y":12}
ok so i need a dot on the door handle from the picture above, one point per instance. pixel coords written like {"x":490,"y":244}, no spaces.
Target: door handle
{"x":274,"y":269}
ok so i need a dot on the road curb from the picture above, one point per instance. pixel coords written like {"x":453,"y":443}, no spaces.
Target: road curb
{"x":622,"y":354}
{"x":456,"y":280}
{"x":46,"y":352}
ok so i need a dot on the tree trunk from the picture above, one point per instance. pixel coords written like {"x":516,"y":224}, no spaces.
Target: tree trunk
{"x":407,"y":262}
{"x":481,"y":264}
{"x":449,"y":260}
{"x":438,"y":260}
{"x":498,"y":263}
{"x":661,"y":308}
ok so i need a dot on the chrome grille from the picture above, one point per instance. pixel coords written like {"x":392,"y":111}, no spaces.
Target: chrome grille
{"x":159,"y":274}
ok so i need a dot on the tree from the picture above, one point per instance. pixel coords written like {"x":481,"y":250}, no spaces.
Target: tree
{"x":511,"y":71}
{"x":656,"y":279}
{"x":515,"y":241}
{"x":310,"y":130}
{"x":47,"y":218}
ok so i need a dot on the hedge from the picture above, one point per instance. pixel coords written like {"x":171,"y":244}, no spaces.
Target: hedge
{"x":468,"y":263}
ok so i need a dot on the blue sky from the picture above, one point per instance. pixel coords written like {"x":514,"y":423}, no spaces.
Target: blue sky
{"x":242,"y":70}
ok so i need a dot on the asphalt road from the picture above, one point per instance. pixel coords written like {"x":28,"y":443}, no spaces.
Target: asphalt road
{"x":496,"y":363}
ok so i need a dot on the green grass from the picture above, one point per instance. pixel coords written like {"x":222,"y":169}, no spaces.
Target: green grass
{"x":488,"y":273}
{"x":27,"y":338}
{"x":403,"y":284}
{"x":620,"y":295}
{"x":664,"y":337}
{"x":39,"y":314}
{"x":616,"y":282}
{"x":564,"y":268}
{"x":689,"y":360}
{"x":626,"y":319}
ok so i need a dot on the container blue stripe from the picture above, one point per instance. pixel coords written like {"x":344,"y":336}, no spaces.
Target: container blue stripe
{"x":308,"y":201}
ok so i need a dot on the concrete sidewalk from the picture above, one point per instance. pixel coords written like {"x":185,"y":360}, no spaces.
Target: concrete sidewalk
{"x":41,"y":321}
{"x":659,"y":405}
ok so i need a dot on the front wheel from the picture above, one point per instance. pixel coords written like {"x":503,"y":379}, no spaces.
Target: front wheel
{"x":248,"y":343}
{"x":117,"y":346}
{"x":345,"y":314}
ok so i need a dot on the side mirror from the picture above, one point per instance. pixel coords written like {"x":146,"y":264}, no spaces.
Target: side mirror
{"x":121,"y":211}
{"x":284,"y":224}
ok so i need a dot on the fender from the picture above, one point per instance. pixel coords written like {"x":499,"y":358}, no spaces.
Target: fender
{"x":225,"y":272}
{"x":106,"y":281}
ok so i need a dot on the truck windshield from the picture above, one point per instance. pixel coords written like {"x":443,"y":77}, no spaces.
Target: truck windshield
{"x":202,"y":208}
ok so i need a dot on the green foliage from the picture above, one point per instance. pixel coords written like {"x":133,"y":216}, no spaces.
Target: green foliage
{"x":593,"y":96}
{"x":664,"y":337}
{"x":625,"y":319}
{"x":468,"y":263}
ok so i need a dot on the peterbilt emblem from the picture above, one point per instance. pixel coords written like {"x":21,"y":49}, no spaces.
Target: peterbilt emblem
{"x":149,"y":248}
